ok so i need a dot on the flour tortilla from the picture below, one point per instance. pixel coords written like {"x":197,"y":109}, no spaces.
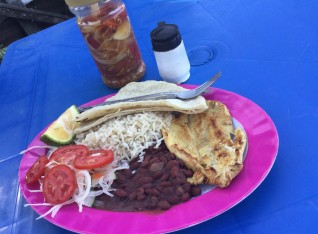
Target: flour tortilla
{"x":98,"y":115}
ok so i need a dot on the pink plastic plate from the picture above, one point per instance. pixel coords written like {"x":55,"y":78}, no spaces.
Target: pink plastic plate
{"x":262,"y":151}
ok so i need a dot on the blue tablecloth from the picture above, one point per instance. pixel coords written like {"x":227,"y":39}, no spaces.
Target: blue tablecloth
{"x":268,"y":53}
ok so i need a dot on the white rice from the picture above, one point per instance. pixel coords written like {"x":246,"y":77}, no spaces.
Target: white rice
{"x":128,"y":136}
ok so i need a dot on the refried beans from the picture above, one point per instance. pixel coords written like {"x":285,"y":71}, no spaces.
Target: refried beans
{"x":156,"y":183}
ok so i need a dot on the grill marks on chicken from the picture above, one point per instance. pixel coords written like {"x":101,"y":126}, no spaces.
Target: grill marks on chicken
{"x":208,"y":144}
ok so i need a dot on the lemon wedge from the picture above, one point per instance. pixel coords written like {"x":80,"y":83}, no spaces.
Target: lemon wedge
{"x":61,"y":131}
{"x":123,"y":31}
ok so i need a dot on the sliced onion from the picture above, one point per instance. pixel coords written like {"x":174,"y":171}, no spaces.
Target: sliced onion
{"x":84,"y":186}
{"x":123,"y":31}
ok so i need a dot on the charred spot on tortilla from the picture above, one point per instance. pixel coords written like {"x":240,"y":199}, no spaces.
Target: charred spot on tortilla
{"x":176,"y":114}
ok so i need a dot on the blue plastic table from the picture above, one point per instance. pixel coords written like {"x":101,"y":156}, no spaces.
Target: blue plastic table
{"x":268,"y":53}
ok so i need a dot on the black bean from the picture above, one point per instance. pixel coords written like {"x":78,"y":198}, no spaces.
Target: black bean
{"x":165,"y":184}
{"x":173,"y":199}
{"x":186,"y":187}
{"x":135,"y":165}
{"x":188,"y":172}
{"x":156,"y":174}
{"x":163,"y":205}
{"x":144,"y":163}
{"x":136,"y":177}
{"x":181,"y":163}
{"x":158,"y":182}
{"x":164,"y":159}
{"x":147,"y":186}
{"x":152,"y":191}
{"x":129,"y":187}
{"x":157,"y":166}
{"x":141,"y":197}
{"x":140,"y":190}
{"x":165,"y":176}
{"x":185,"y":197}
{"x":179,"y":181}
{"x":168,"y":190}
{"x":133,"y":196}
{"x":134,"y":160}
{"x":143,"y":171}
{"x":154,"y":160}
{"x":139,"y":205}
{"x":179,"y":190}
{"x":195,"y":191}
{"x":120,"y":193}
{"x":144,"y":180}
{"x":176,"y":172}
{"x":121,"y":177}
{"x":171,"y":156}
{"x":171,"y":164}
{"x":153,"y":201}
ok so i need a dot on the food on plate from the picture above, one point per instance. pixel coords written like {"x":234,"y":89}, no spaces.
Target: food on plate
{"x":74,"y":173}
{"x":98,"y":115}
{"x":128,"y":136}
{"x":204,"y":142}
{"x":67,"y":154}
{"x":111,"y":41}
{"x":156,"y":183}
{"x":61,"y":131}
{"x":59,"y":184}
{"x":94,"y":159}
{"x":36,"y":170}
{"x":145,"y":155}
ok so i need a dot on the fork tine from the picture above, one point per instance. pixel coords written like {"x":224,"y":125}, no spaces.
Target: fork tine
{"x":210,"y":81}
{"x":207,"y":84}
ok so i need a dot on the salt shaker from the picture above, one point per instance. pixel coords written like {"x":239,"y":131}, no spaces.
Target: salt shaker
{"x":171,"y":57}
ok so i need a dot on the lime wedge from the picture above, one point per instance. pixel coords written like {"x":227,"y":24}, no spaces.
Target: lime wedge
{"x":61,"y":131}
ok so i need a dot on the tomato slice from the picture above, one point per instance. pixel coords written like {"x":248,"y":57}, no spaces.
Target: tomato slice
{"x":36,"y":170}
{"x":94,"y":159}
{"x":59,"y":184}
{"x":67,"y":154}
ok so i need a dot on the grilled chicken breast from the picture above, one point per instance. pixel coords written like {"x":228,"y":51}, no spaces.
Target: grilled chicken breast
{"x":204,"y":142}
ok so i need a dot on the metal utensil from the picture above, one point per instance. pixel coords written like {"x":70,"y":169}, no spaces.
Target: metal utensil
{"x":184,"y":95}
